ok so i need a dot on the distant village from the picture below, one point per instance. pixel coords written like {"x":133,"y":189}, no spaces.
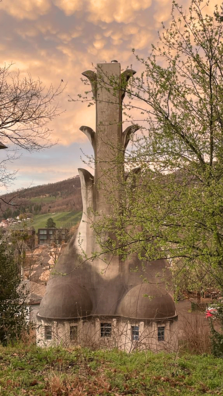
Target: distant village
{"x":12,"y":222}
{"x":39,"y":252}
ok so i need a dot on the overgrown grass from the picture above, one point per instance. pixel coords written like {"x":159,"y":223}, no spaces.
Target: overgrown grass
{"x":72,"y":372}
{"x":62,"y":219}
{"x":42,"y":200}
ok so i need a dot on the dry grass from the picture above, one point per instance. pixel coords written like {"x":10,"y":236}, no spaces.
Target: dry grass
{"x":195,"y":334}
{"x":28,"y":337}
{"x":82,"y":372}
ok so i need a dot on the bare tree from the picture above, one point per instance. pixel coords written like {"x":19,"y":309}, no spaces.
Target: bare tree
{"x":26,"y":107}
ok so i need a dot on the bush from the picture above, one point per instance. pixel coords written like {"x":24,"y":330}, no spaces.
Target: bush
{"x":12,"y":298}
{"x":50,"y":223}
{"x":217,"y":333}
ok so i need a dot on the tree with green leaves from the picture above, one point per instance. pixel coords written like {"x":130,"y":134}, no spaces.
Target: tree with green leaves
{"x":50,"y":223}
{"x":173,"y":208}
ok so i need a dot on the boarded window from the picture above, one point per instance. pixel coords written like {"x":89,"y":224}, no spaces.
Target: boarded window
{"x":48,"y":333}
{"x":73,"y":333}
{"x":135,"y":333}
{"x":105,"y":329}
{"x":161,"y":333}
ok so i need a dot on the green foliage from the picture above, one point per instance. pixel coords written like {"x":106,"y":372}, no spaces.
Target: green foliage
{"x":58,"y":371}
{"x":7,"y":214}
{"x":12,"y":307}
{"x":173,"y":208}
{"x":37,"y":208}
{"x":50,"y":223}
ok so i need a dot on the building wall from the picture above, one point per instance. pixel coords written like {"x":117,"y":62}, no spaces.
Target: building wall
{"x":52,"y":235}
{"x":97,"y":284}
{"x":89,"y":333}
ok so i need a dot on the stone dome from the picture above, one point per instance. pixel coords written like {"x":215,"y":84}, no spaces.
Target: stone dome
{"x":147,"y":301}
{"x":65,"y":301}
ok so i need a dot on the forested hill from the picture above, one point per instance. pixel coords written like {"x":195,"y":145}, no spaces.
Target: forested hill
{"x":63,"y":196}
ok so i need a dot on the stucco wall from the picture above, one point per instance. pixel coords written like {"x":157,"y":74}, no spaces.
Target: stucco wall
{"x":89,"y":334}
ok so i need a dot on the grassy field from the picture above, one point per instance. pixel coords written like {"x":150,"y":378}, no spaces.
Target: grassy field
{"x":38,"y":200}
{"x":79,"y":372}
{"x":62,"y":219}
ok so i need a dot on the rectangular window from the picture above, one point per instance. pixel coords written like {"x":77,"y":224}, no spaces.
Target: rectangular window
{"x":135,"y":333}
{"x":73,"y":333}
{"x":105,"y":329}
{"x":161,"y":331}
{"x":43,"y":231}
{"x":48,"y":333}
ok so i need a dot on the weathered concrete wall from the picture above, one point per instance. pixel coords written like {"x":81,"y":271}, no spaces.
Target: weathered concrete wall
{"x":82,"y":285}
{"x":89,"y":334}
{"x":109,"y":164}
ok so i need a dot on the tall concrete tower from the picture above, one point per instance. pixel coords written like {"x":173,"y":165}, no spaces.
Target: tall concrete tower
{"x":102,"y":301}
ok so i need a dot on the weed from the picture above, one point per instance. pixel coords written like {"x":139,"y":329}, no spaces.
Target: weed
{"x":27,"y":369}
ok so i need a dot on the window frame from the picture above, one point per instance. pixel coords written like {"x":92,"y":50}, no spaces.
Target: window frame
{"x":135,"y":333}
{"x":42,"y":232}
{"x":73,"y":337}
{"x":161,"y":333}
{"x":48,"y":333}
{"x":106,"y":329}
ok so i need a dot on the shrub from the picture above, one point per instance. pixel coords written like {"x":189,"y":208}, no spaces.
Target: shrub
{"x":217,"y":333}
{"x":12,"y":298}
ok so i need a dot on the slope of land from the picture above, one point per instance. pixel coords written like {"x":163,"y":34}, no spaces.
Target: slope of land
{"x":61,"y":219}
{"x":63,"y":196}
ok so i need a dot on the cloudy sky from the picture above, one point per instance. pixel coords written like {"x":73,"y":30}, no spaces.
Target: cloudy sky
{"x":59,"y":39}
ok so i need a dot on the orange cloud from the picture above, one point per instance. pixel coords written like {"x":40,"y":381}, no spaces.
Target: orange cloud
{"x":56,"y":40}
{"x":119,"y":11}
{"x":69,"y":6}
{"x":83,"y":32}
{"x":30,"y":9}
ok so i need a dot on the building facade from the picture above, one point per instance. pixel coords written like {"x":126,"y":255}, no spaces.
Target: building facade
{"x":100,"y":300}
{"x":52,"y":235}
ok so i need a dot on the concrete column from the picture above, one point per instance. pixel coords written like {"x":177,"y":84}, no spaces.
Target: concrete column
{"x":108,"y":147}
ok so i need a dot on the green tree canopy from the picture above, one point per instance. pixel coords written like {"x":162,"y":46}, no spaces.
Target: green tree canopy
{"x":50,"y":223}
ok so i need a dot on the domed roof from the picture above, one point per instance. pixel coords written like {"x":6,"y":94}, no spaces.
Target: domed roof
{"x":146,"y":301}
{"x":67,"y":300}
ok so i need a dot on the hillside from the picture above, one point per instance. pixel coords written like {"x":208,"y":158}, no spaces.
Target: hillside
{"x":61,"y":219}
{"x":63,"y":196}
